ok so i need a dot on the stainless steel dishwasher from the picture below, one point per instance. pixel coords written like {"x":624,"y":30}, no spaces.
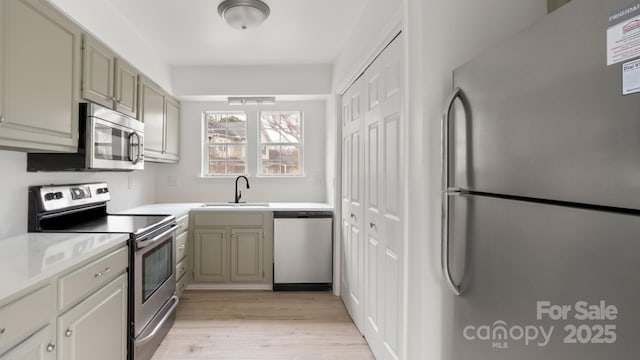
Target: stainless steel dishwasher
{"x":303,"y":249}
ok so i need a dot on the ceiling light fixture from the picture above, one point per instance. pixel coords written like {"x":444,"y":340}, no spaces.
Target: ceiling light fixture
{"x":243,"y":14}
{"x":255,"y":100}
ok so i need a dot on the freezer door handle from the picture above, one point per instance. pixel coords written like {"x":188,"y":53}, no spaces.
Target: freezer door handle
{"x":447,"y":191}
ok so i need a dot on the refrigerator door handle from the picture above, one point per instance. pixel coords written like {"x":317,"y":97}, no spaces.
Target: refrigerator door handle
{"x":446,"y":268}
{"x":446,"y":192}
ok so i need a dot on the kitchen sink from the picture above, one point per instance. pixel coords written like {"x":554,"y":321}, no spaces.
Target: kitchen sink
{"x":234,"y":205}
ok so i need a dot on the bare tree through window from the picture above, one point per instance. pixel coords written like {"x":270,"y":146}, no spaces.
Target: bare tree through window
{"x":280,"y":143}
{"x":226,"y":134}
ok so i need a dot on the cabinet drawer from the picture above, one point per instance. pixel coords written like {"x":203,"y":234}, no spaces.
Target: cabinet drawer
{"x":83,"y":281}
{"x":181,"y":268}
{"x":183,"y":223}
{"x":181,"y":284}
{"x":24,"y":316}
{"x":181,"y":246}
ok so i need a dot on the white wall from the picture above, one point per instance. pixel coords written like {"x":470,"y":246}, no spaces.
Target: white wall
{"x":101,"y":18}
{"x":15,"y":180}
{"x":442,"y":35}
{"x":251,"y":80}
{"x":377,"y":19}
{"x":183,"y":182}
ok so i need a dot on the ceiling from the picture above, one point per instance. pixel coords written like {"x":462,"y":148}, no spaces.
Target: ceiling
{"x":190,"y":32}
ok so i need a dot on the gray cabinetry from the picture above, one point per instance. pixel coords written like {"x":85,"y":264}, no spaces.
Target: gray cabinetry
{"x":25,"y":316}
{"x":172,"y":129}
{"x":182,"y":261}
{"x":211,"y":255}
{"x":84,"y":316}
{"x":39,"y":77}
{"x":233,"y":247}
{"x":39,"y":346}
{"x":161,"y":116}
{"x":247,"y":255}
{"x":96,"y":328}
{"x":108,"y":80}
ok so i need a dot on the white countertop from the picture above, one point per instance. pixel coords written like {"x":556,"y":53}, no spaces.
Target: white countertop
{"x":175,"y":209}
{"x":178,"y":209}
{"x":27,"y":259}
{"x":30,"y":258}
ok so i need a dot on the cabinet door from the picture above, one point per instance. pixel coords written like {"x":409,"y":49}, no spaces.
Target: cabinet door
{"x":211,"y":254}
{"x":98,"y":63}
{"x":246,"y":255}
{"x":39,"y":77}
{"x":152,"y":114}
{"x":172,"y":130}
{"x":39,"y":346}
{"x":97,"y":327}
{"x":126,"y":88}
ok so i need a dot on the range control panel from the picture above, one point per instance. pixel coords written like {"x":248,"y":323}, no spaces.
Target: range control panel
{"x":57,"y":197}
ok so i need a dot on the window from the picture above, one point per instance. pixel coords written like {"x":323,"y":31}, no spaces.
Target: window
{"x":280,"y":143}
{"x":226,"y":148}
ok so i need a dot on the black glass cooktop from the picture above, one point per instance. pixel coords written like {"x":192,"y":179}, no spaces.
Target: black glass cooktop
{"x":129,"y":224}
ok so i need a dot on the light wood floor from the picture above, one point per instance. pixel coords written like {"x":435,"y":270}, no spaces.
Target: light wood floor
{"x":261,"y":325}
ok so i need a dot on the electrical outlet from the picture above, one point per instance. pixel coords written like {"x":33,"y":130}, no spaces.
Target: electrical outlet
{"x":172,"y":181}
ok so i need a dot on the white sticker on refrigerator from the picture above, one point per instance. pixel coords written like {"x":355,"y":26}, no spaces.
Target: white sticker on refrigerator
{"x":631,"y":77}
{"x":623,"y":34}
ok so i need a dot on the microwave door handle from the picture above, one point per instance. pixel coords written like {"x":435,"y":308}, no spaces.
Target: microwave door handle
{"x":130,"y":147}
{"x":140,"y":149}
{"x":137,"y":143}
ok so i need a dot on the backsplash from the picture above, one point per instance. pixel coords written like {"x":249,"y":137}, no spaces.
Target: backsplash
{"x":128,"y":189}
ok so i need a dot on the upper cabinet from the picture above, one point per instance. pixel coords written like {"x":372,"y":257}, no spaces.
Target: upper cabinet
{"x":107,"y":79}
{"x":39,"y":77}
{"x":161,"y":116}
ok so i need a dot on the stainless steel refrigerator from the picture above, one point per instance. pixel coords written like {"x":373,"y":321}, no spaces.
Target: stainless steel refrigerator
{"x":541,"y":200}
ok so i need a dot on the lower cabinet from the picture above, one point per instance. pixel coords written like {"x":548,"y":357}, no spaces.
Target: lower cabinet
{"x":233,"y":248}
{"x":38,"y":346}
{"x":88,"y":303}
{"x":96,"y":328}
{"x":246,"y":255}
{"x":182,"y":251}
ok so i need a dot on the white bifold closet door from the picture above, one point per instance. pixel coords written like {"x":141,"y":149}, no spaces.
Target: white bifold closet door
{"x":373,"y":163}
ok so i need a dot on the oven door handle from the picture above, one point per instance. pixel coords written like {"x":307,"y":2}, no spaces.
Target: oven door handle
{"x":142,"y":244}
{"x":161,"y":322}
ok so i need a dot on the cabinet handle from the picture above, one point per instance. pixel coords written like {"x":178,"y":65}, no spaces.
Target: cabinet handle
{"x":2,"y":330}
{"x":68,"y":333}
{"x":51,"y":347}
{"x":102,"y":272}
{"x":2,"y":119}
{"x":181,"y":247}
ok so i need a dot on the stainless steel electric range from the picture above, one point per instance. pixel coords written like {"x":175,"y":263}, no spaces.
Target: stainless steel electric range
{"x":82,"y":208}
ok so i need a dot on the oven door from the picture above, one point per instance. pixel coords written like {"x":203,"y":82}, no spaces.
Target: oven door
{"x":154,"y":278}
{"x":113,"y":146}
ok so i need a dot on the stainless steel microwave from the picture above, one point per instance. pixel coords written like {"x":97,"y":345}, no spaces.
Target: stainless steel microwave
{"x":107,"y":141}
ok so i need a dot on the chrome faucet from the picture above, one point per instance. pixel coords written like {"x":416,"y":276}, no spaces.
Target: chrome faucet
{"x":239,"y":193}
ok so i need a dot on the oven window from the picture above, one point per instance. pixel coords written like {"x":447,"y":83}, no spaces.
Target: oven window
{"x":110,"y":143}
{"x":156,"y":269}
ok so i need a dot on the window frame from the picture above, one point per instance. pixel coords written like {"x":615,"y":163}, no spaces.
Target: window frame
{"x":205,"y":148}
{"x":260,"y":145}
